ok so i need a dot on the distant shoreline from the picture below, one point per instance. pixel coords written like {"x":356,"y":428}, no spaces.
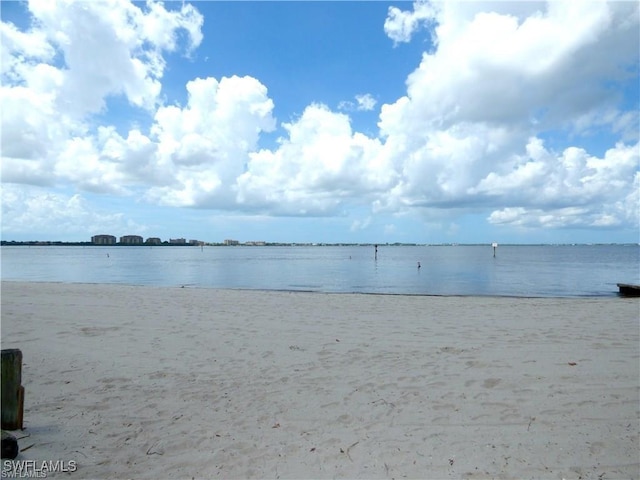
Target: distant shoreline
{"x":56,"y":243}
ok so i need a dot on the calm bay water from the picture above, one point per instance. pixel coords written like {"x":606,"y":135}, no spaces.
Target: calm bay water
{"x":538,"y":271}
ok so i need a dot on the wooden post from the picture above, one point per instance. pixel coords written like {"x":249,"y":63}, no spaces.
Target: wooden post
{"x":12,"y":391}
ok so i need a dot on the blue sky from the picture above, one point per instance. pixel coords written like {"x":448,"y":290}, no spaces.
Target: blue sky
{"x":462,"y":122}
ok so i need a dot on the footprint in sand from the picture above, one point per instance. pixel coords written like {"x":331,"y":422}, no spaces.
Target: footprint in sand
{"x":491,"y":382}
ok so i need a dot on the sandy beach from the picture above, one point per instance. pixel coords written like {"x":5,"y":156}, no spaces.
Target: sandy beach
{"x":146,"y":382}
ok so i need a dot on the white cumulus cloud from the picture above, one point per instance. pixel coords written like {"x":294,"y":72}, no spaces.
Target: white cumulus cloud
{"x":500,"y":116}
{"x":204,"y":147}
{"x":366,"y":102}
{"x":28,"y":209}
{"x":468,"y":133}
{"x":321,"y":166}
{"x":400,"y":25}
{"x":60,"y":72}
{"x":363,"y":102}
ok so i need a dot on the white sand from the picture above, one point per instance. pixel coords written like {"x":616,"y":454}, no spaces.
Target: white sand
{"x":144,"y":382}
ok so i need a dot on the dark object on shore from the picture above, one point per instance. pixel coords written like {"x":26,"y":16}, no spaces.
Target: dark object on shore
{"x":627,"y":290}
{"x":9,"y":446}
{"x":12,"y":390}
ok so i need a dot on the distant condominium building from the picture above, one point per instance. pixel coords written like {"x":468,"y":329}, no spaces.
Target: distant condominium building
{"x":177,"y":241}
{"x":103,"y":240}
{"x":131,"y":240}
{"x":153,"y":241}
{"x":231,"y":242}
